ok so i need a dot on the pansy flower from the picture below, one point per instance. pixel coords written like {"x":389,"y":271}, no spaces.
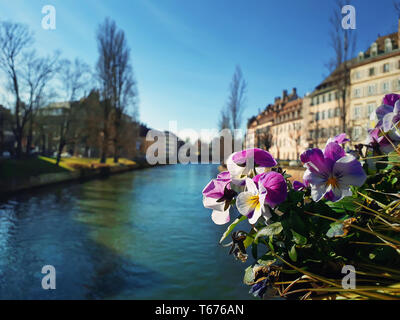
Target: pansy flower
{"x":267,"y":188}
{"x":339,"y":139}
{"x":331,"y":172}
{"x":388,"y":105}
{"x":299,"y":186}
{"x":217,"y":195}
{"x":241,"y":164}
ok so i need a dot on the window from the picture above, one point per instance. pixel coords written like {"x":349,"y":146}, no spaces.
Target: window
{"x":329,"y":97}
{"x":330,"y":113}
{"x":372,"y":71}
{"x":357,"y":93}
{"x":357,"y":112}
{"x":371,"y":90}
{"x":386,"y":67}
{"x":323,"y":115}
{"x":337,"y":112}
{"x":323,"y":98}
{"x":385,"y":86}
{"x":370,"y":108}
{"x":357,"y":132}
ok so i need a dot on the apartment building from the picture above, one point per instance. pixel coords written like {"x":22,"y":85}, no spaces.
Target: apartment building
{"x":279,"y":128}
{"x":375,"y":73}
{"x":322,"y":113}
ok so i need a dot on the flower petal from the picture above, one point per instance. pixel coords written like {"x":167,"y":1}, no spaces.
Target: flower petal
{"x":334,"y":152}
{"x":211,"y":203}
{"x":275,"y":186}
{"x":318,"y":191}
{"x":314,"y":160}
{"x":349,"y":172}
{"x":220,"y":217}
{"x":251,"y":186}
{"x":256,"y":156}
{"x":383,"y":110}
{"x":390,"y":99}
{"x":298,"y":186}
{"x":257,"y":214}
{"x":246,"y":203}
{"x":215,"y":189}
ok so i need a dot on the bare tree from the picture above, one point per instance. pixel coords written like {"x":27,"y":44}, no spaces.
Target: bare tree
{"x":15,"y":38}
{"x":236,"y":100}
{"x":117,"y":84}
{"x":264,"y":139}
{"x":74,"y":78}
{"x":343,"y":43}
{"x":37,"y":72}
{"x":396,"y":5}
{"x":224,"y":120}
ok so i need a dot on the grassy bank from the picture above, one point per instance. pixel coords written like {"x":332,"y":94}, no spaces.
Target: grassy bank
{"x":11,"y":168}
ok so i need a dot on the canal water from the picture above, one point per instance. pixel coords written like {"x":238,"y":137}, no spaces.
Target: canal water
{"x":139,"y":235}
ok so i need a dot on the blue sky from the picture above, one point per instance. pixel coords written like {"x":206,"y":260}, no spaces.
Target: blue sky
{"x":184,"y":52}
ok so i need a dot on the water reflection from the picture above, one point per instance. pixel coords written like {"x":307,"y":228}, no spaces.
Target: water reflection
{"x":139,"y":235}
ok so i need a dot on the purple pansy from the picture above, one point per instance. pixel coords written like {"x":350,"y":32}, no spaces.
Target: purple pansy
{"x":240,"y":164}
{"x":390,"y":106}
{"x":298,"y":186}
{"x":390,"y":99}
{"x":339,"y":139}
{"x":376,"y":139}
{"x":214,"y":195}
{"x":275,"y":185}
{"x":266,"y":188}
{"x":331,"y":170}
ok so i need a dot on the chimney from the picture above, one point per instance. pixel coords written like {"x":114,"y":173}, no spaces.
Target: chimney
{"x":284,"y":94}
{"x":294,"y":91}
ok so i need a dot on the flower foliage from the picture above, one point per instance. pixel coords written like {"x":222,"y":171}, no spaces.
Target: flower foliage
{"x":346,"y":211}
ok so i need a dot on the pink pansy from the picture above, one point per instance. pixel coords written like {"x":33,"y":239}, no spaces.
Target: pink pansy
{"x":267,"y":188}
{"x":331,"y":172}
{"x":215,"y":197}
{"x":241,"y":164}
{"x":339,"y":139}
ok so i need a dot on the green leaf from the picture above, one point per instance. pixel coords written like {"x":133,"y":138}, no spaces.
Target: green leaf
{"x":336,"y":230}
{"x":231,"y":227}
{"x":293,"y":253}
{"x":270,"y":230}
{"x":249,"y":239}
{"x":298,"y":238}
{"x":266,"y":260}
{"x":248,"y":276}
{"x":344,"y":205}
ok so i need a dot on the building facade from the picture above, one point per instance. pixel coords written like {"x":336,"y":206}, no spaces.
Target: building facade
{"x":279,"y":128}
{"x":375,"y":73}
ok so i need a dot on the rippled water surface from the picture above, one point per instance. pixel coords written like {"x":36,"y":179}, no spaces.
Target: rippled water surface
{"x":139,"y":235}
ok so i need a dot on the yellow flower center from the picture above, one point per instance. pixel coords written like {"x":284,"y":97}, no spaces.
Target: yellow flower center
{"x":332,"y":181}
{"x":254,"y":202}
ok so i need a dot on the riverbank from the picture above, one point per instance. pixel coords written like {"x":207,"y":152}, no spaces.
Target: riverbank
{"x":22,"y":175}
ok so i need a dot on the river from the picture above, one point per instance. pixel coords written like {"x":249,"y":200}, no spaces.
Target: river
{"x":138,"y":235}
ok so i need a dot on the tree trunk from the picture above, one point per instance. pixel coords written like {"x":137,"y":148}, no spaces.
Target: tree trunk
{"x":59,"y":152}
